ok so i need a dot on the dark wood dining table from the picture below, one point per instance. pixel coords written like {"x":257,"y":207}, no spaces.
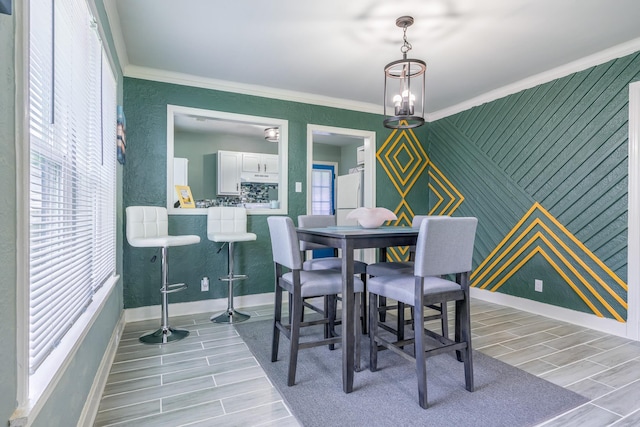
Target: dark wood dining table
{"x":348,"y":238}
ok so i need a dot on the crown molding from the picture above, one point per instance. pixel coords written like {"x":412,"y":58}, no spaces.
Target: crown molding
{"x":601,"y":57}
{"x":145,"y":73}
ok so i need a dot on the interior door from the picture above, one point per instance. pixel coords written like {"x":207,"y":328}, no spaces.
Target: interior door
{"x":323,"y":189}
{"x":323,"y":197}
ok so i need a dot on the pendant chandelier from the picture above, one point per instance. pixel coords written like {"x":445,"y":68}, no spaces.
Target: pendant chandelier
{"x":404,"y":86}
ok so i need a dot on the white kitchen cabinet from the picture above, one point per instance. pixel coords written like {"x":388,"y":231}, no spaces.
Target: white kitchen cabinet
{"x":259,"y":163}
{"x":229,"y":170}
{"x":260,"y":168}
{"x":271,"y":163}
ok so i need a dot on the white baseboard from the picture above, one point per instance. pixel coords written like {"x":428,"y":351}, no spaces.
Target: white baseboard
{"x":92,"y":403}
{"x":212,"y":306}
{"x":204,"y":306}
{"x":590,"y":321}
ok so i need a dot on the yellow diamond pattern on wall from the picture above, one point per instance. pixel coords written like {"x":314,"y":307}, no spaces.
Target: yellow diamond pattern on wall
{"x":403,"y":159}
{"x":405,"y":216}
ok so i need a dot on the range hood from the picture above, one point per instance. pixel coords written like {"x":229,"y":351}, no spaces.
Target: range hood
{"x":264,"y":178}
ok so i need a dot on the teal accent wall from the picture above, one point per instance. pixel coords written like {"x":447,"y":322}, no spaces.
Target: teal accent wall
{"x":8,"y":225}
{"x":145,"y":107}
{"x":562,"y":144}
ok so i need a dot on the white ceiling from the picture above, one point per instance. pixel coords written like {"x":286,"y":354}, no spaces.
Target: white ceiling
{"x":334,"y":51}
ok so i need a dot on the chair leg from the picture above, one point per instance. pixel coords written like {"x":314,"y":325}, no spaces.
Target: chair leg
{"x":277,"y":319}
{"x":444,"y":319}
{"x":330,"y":310}
{"x":363,"y":303}
{"x":295,"y":337}
{"x":373,"y":330}
{"x":358,"y":331}
{"x":463,"y":334}
{"x":400,"y":323}
{"x":421,"y":363}
{"x":383,"y":313}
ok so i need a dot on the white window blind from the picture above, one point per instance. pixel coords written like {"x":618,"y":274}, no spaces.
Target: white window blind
{"x":72,"y":127}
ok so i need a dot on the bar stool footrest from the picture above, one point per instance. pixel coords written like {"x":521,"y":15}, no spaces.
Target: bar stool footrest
{"x":176,"y":287}
{"x":232,"y":278}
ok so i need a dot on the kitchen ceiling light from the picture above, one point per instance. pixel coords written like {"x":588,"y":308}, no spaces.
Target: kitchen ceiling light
{"x":403,"y":88}
{"x":272,"y":134}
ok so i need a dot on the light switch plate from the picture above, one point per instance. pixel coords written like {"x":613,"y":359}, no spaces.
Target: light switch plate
{"x":298,"y":187}
{"x":538,"y":285}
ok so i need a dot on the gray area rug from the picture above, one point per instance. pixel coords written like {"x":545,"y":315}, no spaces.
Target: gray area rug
{"x":503,"y":396}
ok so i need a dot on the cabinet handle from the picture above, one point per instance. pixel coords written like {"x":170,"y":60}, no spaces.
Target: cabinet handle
{"x":259,"y":167}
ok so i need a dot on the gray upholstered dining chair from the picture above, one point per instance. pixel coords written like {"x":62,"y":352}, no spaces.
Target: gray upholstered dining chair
{"x":299,"y":284}
{"x":148,"y":227}
{"x":333,"y":262}
{"x":403,"y":267}
{"x":444,"y":248}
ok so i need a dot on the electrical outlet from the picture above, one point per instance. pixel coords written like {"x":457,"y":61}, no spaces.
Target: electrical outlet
{"x":204,"y":284}
{"x":538,"y":285}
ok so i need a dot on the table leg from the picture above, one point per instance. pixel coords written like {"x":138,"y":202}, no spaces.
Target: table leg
{"x":348,"y":333}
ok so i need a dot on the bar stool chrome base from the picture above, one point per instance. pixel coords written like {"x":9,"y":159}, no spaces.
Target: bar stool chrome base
{"x":228,"y":225}
{"x":230,"y":316}
{"x":164,"y":335}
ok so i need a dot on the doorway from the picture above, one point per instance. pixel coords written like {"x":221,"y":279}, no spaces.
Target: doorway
{"x":335,"y":136}
{"x":329,"y":135}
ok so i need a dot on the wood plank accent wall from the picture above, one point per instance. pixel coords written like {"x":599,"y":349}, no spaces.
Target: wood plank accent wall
{"x":545,"y":171}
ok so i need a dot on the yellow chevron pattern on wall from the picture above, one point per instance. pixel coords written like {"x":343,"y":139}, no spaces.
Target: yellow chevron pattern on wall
{"x":539,"y":232}
{"x":404,"y":160}
{"x":449,"y":198}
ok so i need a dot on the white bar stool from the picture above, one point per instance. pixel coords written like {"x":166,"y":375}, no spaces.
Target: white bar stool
{"x":148,"y":227}
{"x":229,"y":225}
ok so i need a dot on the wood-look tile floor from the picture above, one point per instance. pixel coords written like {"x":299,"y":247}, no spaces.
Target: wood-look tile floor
{"x":211,"y":378}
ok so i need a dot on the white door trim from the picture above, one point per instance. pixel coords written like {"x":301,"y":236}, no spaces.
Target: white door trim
{"x":633,"y":213}
{"x":369,"y":159}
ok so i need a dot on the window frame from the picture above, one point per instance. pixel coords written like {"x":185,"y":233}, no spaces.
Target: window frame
{"x":34,"y":390}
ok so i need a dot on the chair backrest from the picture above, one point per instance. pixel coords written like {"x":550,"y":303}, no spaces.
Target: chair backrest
{"x":284,"y":242}
{"x":415,"y":223}
{"x":315,"y":221}
{"x":226,"y":219}
{"x":445,"y":246}
{"x":145,"y":222}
